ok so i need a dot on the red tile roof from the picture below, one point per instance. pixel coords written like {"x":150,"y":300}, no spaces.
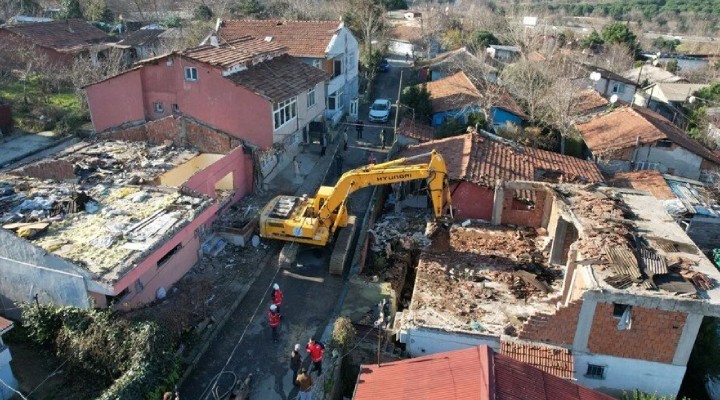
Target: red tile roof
{"x":473,"y":373}
{"x":236,"y":52}
{"x":589,"y":100}
{"x":452,"y":92}
{"x":5,"y":325}
{"x":66,"y":36}
{"x":557,"y":361}
{"x":303,"y":38}
{"x":279,"y":78}
{"x":623,"y":127}
{"x":479,"y":159}
{"x":647,"y":180}
{"x":416,"y":130}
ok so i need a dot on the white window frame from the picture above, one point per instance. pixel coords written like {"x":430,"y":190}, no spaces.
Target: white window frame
{"x":341,"y":60}
{"x":284,"y":112}
{"x":311,"y":101}
{"x":158,"y":107}
{"x":317,"y":63}
{"x":338,"y":100}
{"x":191,"y":74}
{"x":618,"y":88}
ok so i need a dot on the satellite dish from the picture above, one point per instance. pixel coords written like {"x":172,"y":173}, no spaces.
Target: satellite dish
{"x":595,"y":76}
{"x":691,"y":99}
{"x":613,"y":99}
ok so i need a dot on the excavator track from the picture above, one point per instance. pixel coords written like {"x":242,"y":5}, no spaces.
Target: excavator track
{"x":342,"y":247}
{"x":288,"y":255}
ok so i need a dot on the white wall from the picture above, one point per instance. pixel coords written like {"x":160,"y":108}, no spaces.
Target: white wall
{"x":684,"y":162}
{"x":628,"y":374}
{"x":345,"y":45}
{"x":400,"y":47}
{"x":605,"y":87}
{"x":425,"y":341}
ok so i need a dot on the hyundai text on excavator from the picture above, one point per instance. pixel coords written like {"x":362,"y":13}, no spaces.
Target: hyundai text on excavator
{"x":315,"y":220}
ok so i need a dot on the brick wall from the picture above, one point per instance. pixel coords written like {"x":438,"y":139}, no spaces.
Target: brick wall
{"x":516,"y":212}
{"x":51,"y":169}
{"x":654,"y":335}
{"x":558,"y":328}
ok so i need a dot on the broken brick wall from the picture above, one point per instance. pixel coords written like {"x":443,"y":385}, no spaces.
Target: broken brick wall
{"x":654,"y":334}
{"x":473,"y":201}
{"x":50,"y":169}
{"x":558,"y":328}
{"x":516,"y":212}
{"x":131,"y":134}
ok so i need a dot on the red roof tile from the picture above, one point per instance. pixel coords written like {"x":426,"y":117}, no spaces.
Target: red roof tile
{"x":236,"y":52}
{"x":416,"y":130}
{"x":476,"y":158}
{"x":589,"y":100}
{"x":623,"y":127}
{"x":473,"y":373}
{"x":279,"y":78}
{"x":5,"y":325}
{"x":67,"y":36}
{"x":557,"y":361}
{"x":303,"y":38}
{"x":452,"y":92}
{"x":647,"y":180}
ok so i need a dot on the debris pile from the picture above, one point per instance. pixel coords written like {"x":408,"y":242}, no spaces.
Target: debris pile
{"x":394,"y":232}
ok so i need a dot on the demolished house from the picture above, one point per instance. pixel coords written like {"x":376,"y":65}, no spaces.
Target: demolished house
{"x":108,"y":223}
{"x":605,"y":289}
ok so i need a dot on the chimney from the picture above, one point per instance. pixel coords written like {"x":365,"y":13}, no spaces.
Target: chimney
{"x":218,"y":24}
{"x":214,"y":41}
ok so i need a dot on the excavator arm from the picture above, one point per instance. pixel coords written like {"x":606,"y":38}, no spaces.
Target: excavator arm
{"x":435,"y":171}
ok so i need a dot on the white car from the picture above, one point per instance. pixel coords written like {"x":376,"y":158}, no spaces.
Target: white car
{"x":380,"y":111}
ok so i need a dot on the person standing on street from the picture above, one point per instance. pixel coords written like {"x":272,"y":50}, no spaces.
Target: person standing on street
{"x":345,"y":139}
{"x":382,"y":138}
{"x":339,"y":163}
{"x":316,"y":350}
{"x":323,"y":145}
{"x":276,"y":296}
{"x":304,"y":383}
{"x":359,"y":128}
{"x":371,"y":158}
{"x":295,"y":361}
{"x":274,"y":321}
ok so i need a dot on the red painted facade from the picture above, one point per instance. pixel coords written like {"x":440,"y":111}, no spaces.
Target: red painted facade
{"x":213,"y":99}
{"x":237,"y":162}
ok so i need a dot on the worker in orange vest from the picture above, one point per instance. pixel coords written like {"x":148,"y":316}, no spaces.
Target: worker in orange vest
{"x":276,"y":296}
{"x":274,"y":321}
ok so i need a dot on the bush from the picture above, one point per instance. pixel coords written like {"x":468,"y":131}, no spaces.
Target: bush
{"x":343,"y":332}
{"x":140,"y":353}
{"x":452,"y":127}
{"x":417,"y":97}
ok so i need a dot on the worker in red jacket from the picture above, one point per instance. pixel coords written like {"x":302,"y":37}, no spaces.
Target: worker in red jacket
{"x":274,"y":321}
{"x":276,"y":296}
{"x":316,"y":350}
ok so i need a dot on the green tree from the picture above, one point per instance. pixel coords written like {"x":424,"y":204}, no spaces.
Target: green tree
{"x":479,"y":40}
{"x":452,"y":39}
{"x":672,"y":66}
{"x":395,"y":4}
{"x":202,"y":13}
{"x":617,"y":32}
{"x":172,"y":22}
{"x":417,"y":97}
{"x":247,"y":8}
{"x":591,"y":41}
{"x":72,"y":9}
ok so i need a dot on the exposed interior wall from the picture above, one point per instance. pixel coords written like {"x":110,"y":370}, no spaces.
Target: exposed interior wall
{"x":471,"y":201}
{"x":557,"y":329}
{"x":234,"y":170}
{"x":180,"y":174}
{"x":654,"y":334}
{"x":516,"y":212}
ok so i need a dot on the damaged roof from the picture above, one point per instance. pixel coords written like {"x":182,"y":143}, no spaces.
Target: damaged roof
{"x":484,"y":158}
{"x":302,"y":38}
{"x":279,"y":78}
{"x":65,"y":36}
{"x":472,"y":373}
{"x":142,"y":37}
{"x":649,"y":180}
{"x":241,"y":51}
{"x":416,"y":130}
{"x":624,"y":127}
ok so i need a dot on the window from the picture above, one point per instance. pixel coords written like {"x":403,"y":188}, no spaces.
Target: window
{"x":647,"y":165}
{"x":168,"y":255}
{"x":317,"y":63}
{"x":159,"y":107}
{"x":619,"y":309}
{"x":284,"y":112}
{"x":311,"y":97}
{"x":663,"y":143}
{"x":618,"y":88}
{"x":335,"y":100}
{"x":191,"y":74}
{"x":175,"y":108}
{"x":595,"y":371}
{"x":337,"y":68}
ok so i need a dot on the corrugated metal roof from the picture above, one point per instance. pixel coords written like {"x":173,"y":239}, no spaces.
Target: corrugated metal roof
{"x":474,"y":373}
{"x":624,"y":262}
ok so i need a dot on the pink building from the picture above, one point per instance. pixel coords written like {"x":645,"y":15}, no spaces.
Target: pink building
{"x":249,"y":88}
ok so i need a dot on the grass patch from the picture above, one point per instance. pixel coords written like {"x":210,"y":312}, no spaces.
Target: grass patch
{"x":35,"y":109}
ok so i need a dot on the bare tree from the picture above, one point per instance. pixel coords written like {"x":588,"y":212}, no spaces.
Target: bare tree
{"x":559,"y":104}
{"x":615,"y":57}
{"x":368,"y":18}
{"x":84,"y":71}
{"x":527,"y":80}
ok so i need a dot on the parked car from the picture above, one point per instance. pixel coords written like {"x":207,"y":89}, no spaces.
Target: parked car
{"x":384,"y":65}
{"x":380,"y":111}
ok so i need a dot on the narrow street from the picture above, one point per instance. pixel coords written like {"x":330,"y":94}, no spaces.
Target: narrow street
{"x":244,"y":346}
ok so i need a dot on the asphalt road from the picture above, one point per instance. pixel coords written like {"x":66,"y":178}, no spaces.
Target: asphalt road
{"x":245,"y":345}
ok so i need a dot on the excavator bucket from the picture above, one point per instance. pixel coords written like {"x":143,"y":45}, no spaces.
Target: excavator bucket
{"x":439,"y":235}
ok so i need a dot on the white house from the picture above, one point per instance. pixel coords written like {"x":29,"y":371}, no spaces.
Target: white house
{"x":609,"y":83}
{"x":328,"y":45}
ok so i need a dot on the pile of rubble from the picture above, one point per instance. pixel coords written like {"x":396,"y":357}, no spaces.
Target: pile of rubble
{"x":399,"y":232}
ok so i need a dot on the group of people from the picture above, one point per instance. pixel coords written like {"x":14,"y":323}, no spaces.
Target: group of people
{"x":316,"y":350}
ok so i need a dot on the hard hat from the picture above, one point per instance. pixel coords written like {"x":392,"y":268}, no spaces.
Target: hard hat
{"x":297,"y":347}
{"x":273,"y":307}
{"x":276,"y":286}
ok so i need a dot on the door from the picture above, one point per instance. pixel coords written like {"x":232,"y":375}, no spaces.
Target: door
{"x":354,"y":108}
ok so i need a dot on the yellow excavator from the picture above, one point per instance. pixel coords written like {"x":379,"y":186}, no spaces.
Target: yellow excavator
{"x":314,"y":220}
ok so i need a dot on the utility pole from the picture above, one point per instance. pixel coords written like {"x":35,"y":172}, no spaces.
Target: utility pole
{"x":397,"y":109}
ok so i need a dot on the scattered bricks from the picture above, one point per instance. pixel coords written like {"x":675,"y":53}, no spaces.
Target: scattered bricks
{"x":652,"y":336}
{"x":558,"y":328}
{"x":50,"y":169}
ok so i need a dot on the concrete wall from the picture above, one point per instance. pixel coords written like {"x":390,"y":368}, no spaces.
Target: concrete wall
{"x":623,"y":374}
{"x":605,"y":86}
{"x":26,"y":270}
{"x":400,"y":47}
{"x":705,"y":232}
{"x":116,"y":101}
{"x":236,"y":162}
{"x":305,"y":114}
{"x":673,"y":160}
{"x":425,"y":341}
{"x":6,"y":374}
{"x":148,"y":276}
